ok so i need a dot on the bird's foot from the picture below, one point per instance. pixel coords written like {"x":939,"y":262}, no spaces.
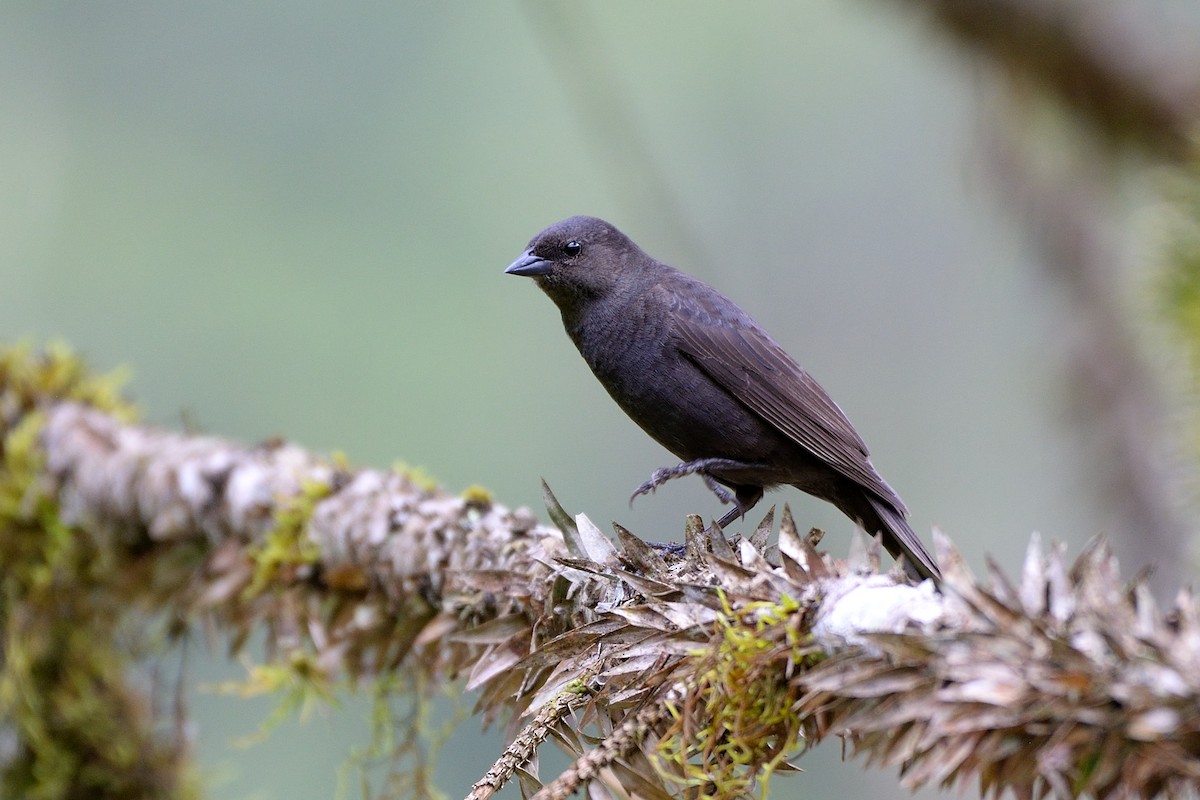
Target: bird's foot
{"x":701,"y":465}
{"x":658,"y":478}
{"x":724,"y":495}
{"x":744,"y":500}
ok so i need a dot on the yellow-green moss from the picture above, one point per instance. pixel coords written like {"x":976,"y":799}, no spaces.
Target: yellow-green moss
{"x":81,"y":730}
{"x":1180,"y":291}
{"x":287,"y":549}
{"x":739,"y":719}
{"x":30,"y":377}
{"x":298,"y":683}
{"x":1181,"y":277}
{"x":477,"y":496}
{"x":418,"y":475}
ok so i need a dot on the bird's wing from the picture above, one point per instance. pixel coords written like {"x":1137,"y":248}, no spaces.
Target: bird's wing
{"x":748,"y":364}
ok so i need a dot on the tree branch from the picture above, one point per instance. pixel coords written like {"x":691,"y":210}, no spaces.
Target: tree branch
{"x":706,"y":666}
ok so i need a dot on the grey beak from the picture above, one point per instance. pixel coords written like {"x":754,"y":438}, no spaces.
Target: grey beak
{"x":529,"y":265}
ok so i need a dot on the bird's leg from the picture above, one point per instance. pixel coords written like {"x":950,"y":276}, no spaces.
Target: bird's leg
{"x":701,"y":465}
{"x":724,"y":495}
{"x":745,"y":499}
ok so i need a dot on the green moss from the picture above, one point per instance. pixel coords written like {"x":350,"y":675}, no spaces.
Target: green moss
{"x":1180,"y":288}
{"x":418,"y":475}
{"x":741,"y":720}
{"x":80,"y":730}
{"x":298,"y":683}
{"x":287,"y":550}
{"x":29,"y":377}
{"x":478,"y":496}
{"x":408,"y":733}
{"x":1181,"y":279}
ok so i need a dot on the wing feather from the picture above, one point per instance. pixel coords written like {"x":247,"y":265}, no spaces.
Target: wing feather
{"x":743,"y":359}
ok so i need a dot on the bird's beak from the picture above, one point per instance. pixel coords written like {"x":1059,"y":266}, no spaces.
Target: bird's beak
{"x":529,"y":265}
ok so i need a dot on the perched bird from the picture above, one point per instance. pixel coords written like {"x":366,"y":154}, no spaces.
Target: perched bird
{"x":705,"y":381}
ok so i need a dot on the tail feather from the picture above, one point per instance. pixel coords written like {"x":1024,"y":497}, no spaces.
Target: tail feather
{"x":900,"y":540}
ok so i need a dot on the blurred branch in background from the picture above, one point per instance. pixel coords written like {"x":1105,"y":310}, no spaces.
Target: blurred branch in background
{"x":1091,"y":85}
{"x":1179,"y":291}
{"x":1133,"y":79}
{"x":1117,"y":397}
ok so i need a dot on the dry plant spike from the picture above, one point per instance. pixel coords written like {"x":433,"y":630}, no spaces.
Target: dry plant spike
{"x":762,"y":534}
{"x":718,"y":545}
{"x":695,"y":542}
{"x":813,"y":563}
{"x":637,"y":554}
{"x":597,"y":547}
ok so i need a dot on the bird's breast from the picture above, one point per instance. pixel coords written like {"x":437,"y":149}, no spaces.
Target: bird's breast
{"x":635,"y":357}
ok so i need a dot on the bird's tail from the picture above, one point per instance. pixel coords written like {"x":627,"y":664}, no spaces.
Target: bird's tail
{"x":900,"y":540}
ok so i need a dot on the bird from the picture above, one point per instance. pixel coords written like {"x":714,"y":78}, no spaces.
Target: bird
{"x":704,"y":380}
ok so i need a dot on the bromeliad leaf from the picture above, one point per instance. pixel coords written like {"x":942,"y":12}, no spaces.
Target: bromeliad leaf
{"x":563,"y":521}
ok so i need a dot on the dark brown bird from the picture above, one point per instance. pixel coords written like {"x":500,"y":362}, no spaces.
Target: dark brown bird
{"x":705,"y":381}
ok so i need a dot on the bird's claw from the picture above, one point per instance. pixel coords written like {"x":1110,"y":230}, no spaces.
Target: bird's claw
{"x":657,"y":478}
{"x":646,"y":488}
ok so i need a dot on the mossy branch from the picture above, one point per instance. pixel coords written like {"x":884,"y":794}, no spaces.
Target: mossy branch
{"x":699,"y":670}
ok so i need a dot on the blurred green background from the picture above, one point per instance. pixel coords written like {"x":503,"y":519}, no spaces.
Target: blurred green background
{"x":292,"y":219}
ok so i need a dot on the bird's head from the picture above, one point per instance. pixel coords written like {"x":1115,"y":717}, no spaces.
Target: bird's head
{"x":577,"y":259}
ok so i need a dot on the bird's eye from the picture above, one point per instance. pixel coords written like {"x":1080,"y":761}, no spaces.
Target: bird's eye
{"x":573,"y":247}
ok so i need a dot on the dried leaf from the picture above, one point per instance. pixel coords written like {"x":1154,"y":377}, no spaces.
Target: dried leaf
{"x":596,"y":545}
{"x":564,"y":522}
